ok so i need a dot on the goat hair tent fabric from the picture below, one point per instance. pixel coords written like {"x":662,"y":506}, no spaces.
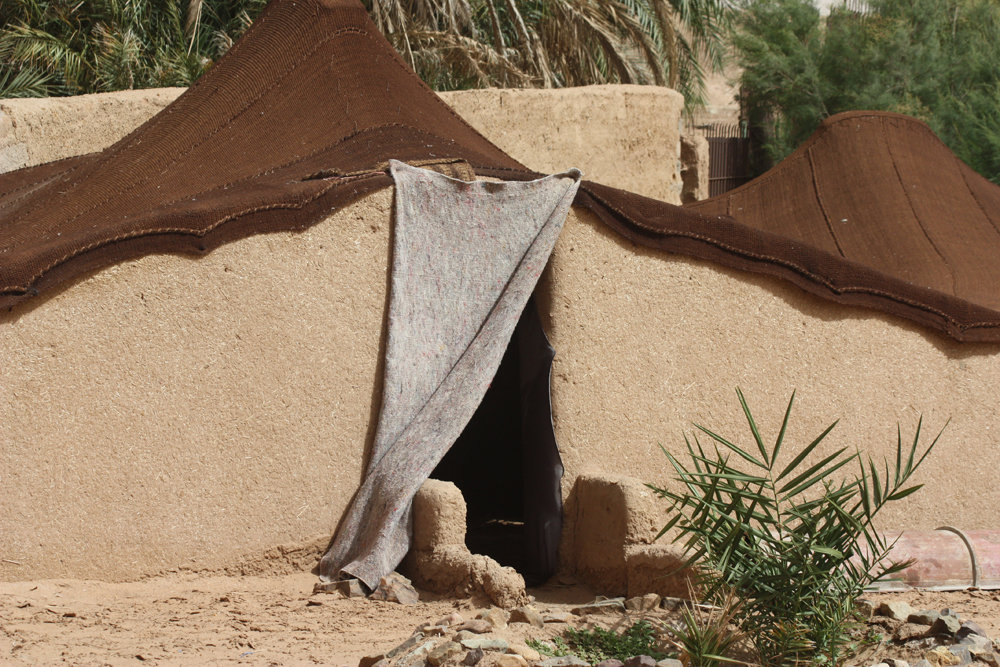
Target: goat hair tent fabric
{"x":881,"y":189}
{"x":465,"y":259}
{"x":302,"y":114}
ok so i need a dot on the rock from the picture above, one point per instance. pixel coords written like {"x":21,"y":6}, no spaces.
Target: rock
{"x":923,"y":663}
{"x":896,"y":610}
{"x":563,"y":661}
{"x":432,"y":630}
{"x":417,"y":656}
{"x":454,"y":618}
{"x":406,"y":646}
{"x":942,"y":656}
{"x":463,"y":634}
{"x":984,"y":655}
{"x":476,"y":625}
{"x":970,"y":628}
{"x":507,"y":660}
{"x":977,"y":641}
{"x":503,"y":585}
{"x":558,"y":617}
{"x":865,"y":607}
{"x":349,"y":588}
{"x":527,"y":614}
{"x":524,"y":651}
{"x":946,"y":625}
{"x":669,"y":662}
{"x":909,"y":631}
{"x":880,"y":664}
{"x":643,"y":602}
{"x":640,"y":661}
{"x":394,"y":587}
{"x":924,"y":617}
{"x":893,"y":662}
{"x":600,"y":606}
{"x":370,"y":660}
{"x":496,"y":616}
{"x":473,"y":657}
{"x":610,"y":662}
{"x":443,"y":652}
{"x":486,"y":644}
{"x":673,"y":604}
{"x":962,"y":652}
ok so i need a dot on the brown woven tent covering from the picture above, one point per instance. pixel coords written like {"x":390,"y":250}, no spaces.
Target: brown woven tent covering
{"x":302,"y":115}
{"x":882,"y":190}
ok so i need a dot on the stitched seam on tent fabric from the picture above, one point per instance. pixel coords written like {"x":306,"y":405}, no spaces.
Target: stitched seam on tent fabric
{"x":301,"y":159}
{"x":909,"y":202}
{"x":962,"y":167}
{"x":8,"y":289}
{"x":819,"y":200}
{"x":29,"y":188}
{"x":850,"y":289}
{"x":798,"y":153}
{"x":42,"y":181}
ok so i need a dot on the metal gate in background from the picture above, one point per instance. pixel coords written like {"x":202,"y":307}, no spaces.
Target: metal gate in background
{"x":728,"y":156}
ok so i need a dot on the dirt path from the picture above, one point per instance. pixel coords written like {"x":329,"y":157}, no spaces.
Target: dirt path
{"x":267,"y":620}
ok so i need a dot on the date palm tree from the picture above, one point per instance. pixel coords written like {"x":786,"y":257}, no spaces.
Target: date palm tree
{"x":546,"y":43}
{"x":60,"y":47}
{"x":67,"y":47}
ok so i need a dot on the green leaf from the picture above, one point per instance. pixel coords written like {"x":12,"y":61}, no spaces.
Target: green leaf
{"x":826,"y":550}
{"x":725,"y":443}
{"x":754,"y":430}
{"x":804,"y":453}
{"x":899,"y":495}
{"x":814,"y":474}
{"x":781,"y":434}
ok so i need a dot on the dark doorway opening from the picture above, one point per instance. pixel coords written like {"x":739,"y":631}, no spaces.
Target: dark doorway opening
{"x":506,"y":462}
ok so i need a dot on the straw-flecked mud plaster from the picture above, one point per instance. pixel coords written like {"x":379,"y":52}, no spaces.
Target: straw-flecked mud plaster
{"x":648,"y":343}
{"x":37,"y":130}
{"x":115,"y":463}
{"x":624,"y":136}
{"x":175,"y":412}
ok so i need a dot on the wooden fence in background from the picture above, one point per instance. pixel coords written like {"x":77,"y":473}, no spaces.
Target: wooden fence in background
{"x":728,"y":156}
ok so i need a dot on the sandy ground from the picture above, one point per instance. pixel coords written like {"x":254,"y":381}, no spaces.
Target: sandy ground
{"x":189,"y":619}
{"x":196,"y":620}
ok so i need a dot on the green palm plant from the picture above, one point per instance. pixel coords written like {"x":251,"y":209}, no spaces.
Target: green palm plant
{"x":472,"y":43}
{"x":61,"y":47}
{"x":56,"y":47}
{"x":797,"y":545}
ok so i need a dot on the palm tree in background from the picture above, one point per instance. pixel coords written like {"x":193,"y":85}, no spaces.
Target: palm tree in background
{"x":66,"y":47}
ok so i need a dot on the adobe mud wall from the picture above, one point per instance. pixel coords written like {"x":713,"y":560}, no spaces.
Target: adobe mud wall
{"x":625,"y":136}
{"x":116,"y":463}
{"x":647,"y":344}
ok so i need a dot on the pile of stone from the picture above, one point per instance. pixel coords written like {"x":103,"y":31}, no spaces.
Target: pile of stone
{"x":928,"y":638}
{"x":494,"y":637}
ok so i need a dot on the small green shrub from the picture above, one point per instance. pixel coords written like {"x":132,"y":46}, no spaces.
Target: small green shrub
{"x":794,"y":544}
{"x":705,"y":636}
{"x":598,"y":644}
